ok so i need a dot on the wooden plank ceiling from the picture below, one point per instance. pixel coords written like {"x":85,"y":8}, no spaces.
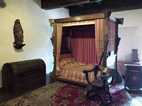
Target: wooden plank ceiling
{"x":50,"y":4}
{"x":80,"y":7}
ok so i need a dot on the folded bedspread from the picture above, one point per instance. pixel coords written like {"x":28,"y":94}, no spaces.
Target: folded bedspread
{"x":71,"y":70}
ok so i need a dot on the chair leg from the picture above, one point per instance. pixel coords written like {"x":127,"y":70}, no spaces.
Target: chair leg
{"x":91,"y":93}
{"x":88,"y":94}
{"x":106,"y":99}
{"x":89,"y":90}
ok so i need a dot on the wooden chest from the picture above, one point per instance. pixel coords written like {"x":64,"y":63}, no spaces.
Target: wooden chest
{"x":23,"y":76}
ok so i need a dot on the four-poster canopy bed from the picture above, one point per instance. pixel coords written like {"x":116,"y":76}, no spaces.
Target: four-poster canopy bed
{"x":79,"y":43}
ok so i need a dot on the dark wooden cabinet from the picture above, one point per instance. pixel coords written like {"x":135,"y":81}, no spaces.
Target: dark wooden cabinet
{"x":133,"y":79}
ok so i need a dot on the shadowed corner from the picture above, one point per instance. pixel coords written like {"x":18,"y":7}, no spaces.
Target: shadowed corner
{"x":18,"y":50}
{"x":2,"y":4}
{"x":38,"y":2}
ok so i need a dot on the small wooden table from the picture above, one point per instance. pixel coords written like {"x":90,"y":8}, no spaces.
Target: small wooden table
{"x":133,"y":77}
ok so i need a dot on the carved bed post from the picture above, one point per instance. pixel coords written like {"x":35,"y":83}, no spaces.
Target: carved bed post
{"x":118,"y":78}
{"x":53,"y":39}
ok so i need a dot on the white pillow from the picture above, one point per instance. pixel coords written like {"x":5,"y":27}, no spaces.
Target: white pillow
{"x":111,"y":60}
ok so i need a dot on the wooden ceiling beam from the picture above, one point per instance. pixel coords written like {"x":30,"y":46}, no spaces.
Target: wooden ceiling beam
{"x":114,"y":5}
{"x":50,"y":4}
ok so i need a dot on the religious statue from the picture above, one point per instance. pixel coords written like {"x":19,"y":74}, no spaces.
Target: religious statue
{"x":18,"y":35}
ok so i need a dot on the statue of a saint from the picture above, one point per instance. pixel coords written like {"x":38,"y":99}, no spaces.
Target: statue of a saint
{"x":18,"y":35}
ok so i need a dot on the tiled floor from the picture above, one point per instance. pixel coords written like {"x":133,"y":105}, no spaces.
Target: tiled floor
{"x":134,"y":99}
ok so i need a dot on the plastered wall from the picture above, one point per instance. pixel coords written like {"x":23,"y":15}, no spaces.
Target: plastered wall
{"x":130,"y":33}
{"x":37,"y":31}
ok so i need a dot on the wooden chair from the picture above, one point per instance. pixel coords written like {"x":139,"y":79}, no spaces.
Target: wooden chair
{"x":99,"y":88}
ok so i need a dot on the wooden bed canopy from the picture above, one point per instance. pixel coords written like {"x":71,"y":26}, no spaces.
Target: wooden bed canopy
{"x":67,"y":69}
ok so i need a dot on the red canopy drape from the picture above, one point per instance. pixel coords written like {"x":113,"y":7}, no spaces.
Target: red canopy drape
{"x":83,"y":44}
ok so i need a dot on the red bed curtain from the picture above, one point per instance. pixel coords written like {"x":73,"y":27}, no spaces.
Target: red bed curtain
{"x":83,"y":44}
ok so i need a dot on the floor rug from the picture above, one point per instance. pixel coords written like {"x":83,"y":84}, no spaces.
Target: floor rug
{"x":70,"y":95}
{"x":64,"y":94}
